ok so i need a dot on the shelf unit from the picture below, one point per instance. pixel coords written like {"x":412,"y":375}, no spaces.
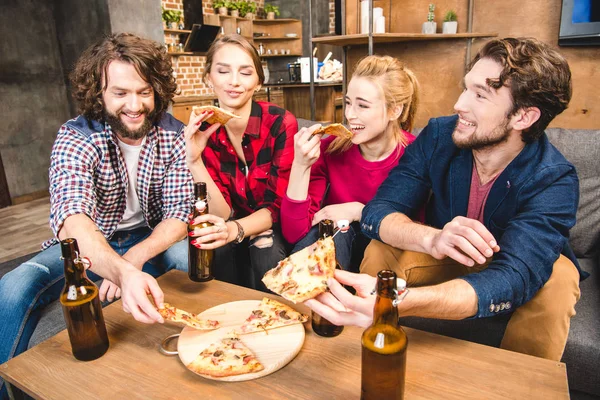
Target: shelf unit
{"x":363,"y":39}
{"x":370,"y":38}
{"x":274,"y":30}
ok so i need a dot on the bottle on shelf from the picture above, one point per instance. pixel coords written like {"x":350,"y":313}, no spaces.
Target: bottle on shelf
{"x":81,"y":306}
{"x":199,"y":260}
{"x":322,"y":326}
{"x":384,"y":344}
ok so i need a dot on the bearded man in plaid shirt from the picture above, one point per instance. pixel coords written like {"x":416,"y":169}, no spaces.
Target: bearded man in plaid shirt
{"x":119,"y":185}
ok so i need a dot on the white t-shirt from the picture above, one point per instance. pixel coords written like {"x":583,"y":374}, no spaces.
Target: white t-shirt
{"x":133,"y":216}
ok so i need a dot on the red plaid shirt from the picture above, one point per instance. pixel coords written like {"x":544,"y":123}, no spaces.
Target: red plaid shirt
{"x":88,"y":175}
{"x":268,"y":146}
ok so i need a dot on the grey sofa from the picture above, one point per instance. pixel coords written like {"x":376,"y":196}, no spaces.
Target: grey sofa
{"x":582,"y":354}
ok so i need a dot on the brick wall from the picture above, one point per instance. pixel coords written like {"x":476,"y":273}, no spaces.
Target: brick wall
{"x":188,"y":69}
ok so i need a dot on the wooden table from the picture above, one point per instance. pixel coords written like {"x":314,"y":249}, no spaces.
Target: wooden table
{"x":325,"y":368}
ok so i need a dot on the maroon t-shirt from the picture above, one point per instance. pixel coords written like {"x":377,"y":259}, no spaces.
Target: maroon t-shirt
{"x":478,"y":195}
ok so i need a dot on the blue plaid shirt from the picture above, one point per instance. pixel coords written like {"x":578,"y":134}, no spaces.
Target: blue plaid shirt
{"x":88,"y":175}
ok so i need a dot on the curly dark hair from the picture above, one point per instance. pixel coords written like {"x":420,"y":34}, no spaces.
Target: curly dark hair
{"x":149,"y":58}
{"x":536,"y":74}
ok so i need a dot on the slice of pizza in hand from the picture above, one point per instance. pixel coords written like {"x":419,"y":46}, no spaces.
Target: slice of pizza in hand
{"x":304,"y":274}
{"x":338,"y":130}
{"x":271,"y":314}
{"x":174,"y":314}
{"x":227,"y":357}
{"x":221,"y":116}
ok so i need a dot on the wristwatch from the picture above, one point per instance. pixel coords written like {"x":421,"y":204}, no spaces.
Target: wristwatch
{"x":240,"y":236}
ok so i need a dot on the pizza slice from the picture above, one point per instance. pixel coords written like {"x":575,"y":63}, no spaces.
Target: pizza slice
{"x":271,"y":314}
{"x":304,"y":274}
{"x":221,"y":116}
{"x":174,"y":314}
{"x":338,"y":130}
{"x":227,"y":357}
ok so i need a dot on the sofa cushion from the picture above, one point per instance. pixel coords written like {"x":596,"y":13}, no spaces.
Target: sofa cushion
{"x":582,"y":353}
{"x":582,"y":148}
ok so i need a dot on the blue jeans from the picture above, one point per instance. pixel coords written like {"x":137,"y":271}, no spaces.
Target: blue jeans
{"x":344,"y":245}
{"x":27,"y":289}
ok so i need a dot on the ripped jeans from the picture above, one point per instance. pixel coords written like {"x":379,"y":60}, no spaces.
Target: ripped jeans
{"x":246,"y":263}
{"x":27,"y":289}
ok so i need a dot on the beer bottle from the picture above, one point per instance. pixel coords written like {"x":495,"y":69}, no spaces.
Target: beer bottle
{"x":81,"y":307}
{"x":384,"y":345}
{"x":199,"y":260}
{"x":320,"y":325}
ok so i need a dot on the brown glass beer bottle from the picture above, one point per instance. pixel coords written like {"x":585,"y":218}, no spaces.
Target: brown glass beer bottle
{"x":320,"y":325}
{"x":384,"y":345}
{"x":81,"y":307}
{"x":199,"y":260}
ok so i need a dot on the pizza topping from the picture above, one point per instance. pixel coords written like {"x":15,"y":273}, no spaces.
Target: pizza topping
{"x":174,"y":314}
{"x":271,"y":314}
{"x":227,"y":357}
{"x":304,"y":274}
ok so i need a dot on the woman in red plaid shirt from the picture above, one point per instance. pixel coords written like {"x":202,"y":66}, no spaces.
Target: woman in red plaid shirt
{"x":245,"y":164}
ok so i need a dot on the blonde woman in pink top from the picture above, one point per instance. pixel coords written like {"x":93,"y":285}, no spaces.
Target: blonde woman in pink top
{"x":334,"y":178}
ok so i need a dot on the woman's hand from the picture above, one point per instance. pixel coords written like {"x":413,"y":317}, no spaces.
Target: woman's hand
{"x":335,"y":212}
{"x":214,"y":236}
{"x":195,"y":139}
{"x":340,"y":307}
{"x":307,"y":148}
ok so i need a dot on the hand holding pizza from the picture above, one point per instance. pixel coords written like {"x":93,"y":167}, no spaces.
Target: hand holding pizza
{"x":136,"y":286}
{"x":307,"y":147}
{"x":195,"y":139}
{"x":341,"y":307}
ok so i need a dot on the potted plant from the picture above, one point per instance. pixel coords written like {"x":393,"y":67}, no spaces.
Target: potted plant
{"x":429,"y":26}
{"x":271,"y":11}
{"x":220,"y":6}
{"x":234,"y":8}
{"x":247,"y":9}
{"x":450,"y":24}
{"x":171,"y":18}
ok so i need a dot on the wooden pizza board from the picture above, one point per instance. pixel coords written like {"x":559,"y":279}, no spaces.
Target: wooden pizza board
{"x":273,"y":348}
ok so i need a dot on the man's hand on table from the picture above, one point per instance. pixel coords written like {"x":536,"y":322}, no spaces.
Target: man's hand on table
{"x":135,"y":288}
{"x":340,"y":307}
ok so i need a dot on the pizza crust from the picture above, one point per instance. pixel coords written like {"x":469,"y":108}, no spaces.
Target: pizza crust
{"x":337,"y":130}
{"x":221,"y":116}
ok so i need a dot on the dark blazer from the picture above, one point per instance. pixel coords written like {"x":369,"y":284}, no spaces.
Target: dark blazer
{"x":530,"y":209}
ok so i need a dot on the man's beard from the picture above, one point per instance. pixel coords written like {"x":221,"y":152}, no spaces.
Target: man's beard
{"x":119,"y":127}
{"x":500,"y":134}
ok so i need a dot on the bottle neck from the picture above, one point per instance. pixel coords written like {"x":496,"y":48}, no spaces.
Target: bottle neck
{"x":74,"y":272}
{"x":385,"y":312}
{"x":198,"y":202}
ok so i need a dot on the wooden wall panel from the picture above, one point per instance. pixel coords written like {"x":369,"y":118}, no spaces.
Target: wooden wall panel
{"x":541,"y":19}
{"x":408,"y":16}
{"x":439,"y":65}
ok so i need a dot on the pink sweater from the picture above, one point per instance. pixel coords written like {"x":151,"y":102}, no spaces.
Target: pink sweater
{"x":350,"y":178}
